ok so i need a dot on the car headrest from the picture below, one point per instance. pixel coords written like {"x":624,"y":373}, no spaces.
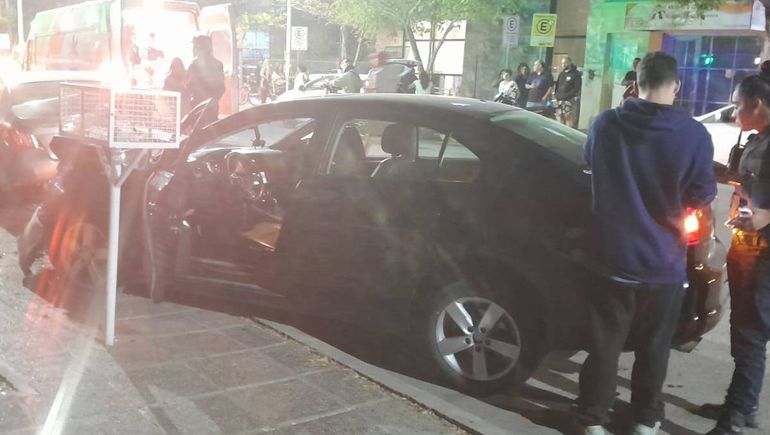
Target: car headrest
{"x":351,"y":138}
{"x":400,"y":140}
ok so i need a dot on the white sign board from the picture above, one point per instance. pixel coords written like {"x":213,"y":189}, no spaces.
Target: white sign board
{"x":299,"y":38}
{"x":511,"y":31}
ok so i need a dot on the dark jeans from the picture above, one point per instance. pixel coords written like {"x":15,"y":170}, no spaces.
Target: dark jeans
{"x":749,"y":277}
{"x":645,"y":317}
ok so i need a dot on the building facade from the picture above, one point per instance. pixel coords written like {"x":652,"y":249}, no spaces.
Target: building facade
{"x":714,"y":50}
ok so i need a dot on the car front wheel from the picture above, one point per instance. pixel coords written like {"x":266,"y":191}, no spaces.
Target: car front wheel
{"x":481,"y":343}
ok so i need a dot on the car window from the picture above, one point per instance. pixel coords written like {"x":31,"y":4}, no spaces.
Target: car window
{"x":358,"y":150}
{"x":269,"y":134}
{"x":564,"y":141}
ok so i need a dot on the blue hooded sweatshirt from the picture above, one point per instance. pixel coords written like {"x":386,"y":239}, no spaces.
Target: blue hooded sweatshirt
{"x":650,"y":162}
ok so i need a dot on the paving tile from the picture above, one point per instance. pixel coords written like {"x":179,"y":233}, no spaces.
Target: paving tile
{"x":136,"y":353}
{"x":185,"y":418}
{"x":398,"y":416}
{"x":135,"y":422}
{"x":161,"y":324}
{"x":241,"y":368}
{"x":212,"y":319}
{"x":225,"y":413}
{"x":273,"y":404}
{"x":198,"y":344}
{"x":167,"y":383}
{"x":252,"y":335}
{"x":135,"y":306}
{"x":348,"y":386}
{"x":298,"y":358}
{"x":29,"y":345}
{"x":13,"y":414}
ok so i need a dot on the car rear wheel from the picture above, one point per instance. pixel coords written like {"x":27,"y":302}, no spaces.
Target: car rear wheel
{"x":481,"y":343}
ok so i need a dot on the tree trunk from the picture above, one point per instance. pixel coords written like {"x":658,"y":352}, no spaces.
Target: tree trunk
{"x":413,"y":44}
{"x":438,"y":45}
{"x":343,"y":44}
{"x":358,"y":50}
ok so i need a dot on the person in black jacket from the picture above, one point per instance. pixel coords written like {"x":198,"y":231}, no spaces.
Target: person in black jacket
{"x":650,"y":162}
{"x":568,"y":93}
{"x":205,"y":77}
{"x":748,"y":262}
{"x":522,"y":75}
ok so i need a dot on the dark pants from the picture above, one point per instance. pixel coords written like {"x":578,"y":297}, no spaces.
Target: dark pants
{"x":645,"y":317}
{"x":749,"y":277}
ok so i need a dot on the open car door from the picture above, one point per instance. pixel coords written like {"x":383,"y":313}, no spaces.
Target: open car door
{"x":216,"y":21}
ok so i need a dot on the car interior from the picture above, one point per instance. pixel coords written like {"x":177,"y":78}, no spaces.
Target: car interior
{"x":401,"y":151}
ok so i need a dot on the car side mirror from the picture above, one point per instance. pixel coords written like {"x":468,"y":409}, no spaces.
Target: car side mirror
{"x":301,"y":88}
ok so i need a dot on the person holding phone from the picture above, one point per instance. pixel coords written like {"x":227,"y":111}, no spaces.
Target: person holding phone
{"x":748,"y":262}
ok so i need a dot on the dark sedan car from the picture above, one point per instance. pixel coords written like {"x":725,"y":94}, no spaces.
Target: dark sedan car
{"x":461,"y":223}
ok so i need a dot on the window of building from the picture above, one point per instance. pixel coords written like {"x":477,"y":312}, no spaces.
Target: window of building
{"x":711,"y":67}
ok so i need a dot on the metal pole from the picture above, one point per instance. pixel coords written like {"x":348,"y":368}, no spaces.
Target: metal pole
{"x":287,"y":56}
{"x":20,"y":21}
{"x":112,"y":256}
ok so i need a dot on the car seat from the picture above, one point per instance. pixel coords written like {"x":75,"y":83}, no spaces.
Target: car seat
{"x":400,"y":141}
{"x":349,"y":156}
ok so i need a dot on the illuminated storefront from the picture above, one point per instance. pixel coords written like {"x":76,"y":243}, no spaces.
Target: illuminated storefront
{"x":715,"y":51}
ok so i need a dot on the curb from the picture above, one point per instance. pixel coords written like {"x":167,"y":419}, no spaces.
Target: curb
{"x":442,"y":401}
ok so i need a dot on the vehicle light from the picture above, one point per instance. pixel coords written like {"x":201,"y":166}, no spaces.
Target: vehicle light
{"x":692,"y":227}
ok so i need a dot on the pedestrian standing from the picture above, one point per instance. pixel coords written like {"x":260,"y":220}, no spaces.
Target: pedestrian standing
{"x":265,"y":82}
{"x":522,"y":75}
{"x":650,"y":162}
{"x":748,"y":262}
{"x":507,"y":90}
{"x":539,"y":85}
{"x":629,"y":81}
{"x":350,"y":82}
{"x":277,"y":82}
{"x":383,"y":76}
{"x":205,"y":77}
{"x":567,"y":93}
{"x":175,"y":82}
{"x":423,"y":85}
{"x":301,"y":78}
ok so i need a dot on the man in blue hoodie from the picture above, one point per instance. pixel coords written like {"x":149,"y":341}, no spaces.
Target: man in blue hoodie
{"x":650,"y":162}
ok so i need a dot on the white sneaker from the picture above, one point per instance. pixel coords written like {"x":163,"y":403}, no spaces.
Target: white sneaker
{"x":641,"y":429}
{"x":594,"y":430}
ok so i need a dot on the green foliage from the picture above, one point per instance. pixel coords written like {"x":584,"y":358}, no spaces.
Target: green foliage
{"x":373,"y":17}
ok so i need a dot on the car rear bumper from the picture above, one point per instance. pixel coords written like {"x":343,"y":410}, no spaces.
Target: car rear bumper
{"x":706,"y":298}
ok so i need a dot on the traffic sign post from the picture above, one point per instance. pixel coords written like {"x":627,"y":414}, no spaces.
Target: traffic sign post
{"x":511,"y":26}
{"x":123,"y":126}
{"x":299,"y":38}
{"x":543,"y":30}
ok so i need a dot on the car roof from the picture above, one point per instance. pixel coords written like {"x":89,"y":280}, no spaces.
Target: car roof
{"x":27,"y":77}
{"x":424,"y":104}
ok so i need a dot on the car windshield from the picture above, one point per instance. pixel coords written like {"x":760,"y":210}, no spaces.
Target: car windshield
{"x":564,"y":141}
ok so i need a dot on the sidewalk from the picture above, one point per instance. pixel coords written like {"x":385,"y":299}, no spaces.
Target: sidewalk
{"x":176,"y":369}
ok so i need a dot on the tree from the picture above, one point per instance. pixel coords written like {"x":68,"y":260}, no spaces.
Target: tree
{"x":434,"y":18}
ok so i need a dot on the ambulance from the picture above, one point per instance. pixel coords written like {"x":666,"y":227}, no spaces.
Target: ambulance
{"x":132,"y":42}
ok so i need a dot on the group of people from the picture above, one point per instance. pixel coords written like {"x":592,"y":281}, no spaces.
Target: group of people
{"x":650,"y":162}
{"x":204,"y":79}
{"x":537,"y":88}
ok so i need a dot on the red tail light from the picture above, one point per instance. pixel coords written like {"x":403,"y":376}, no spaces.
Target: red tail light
{"x":16,"y":139}
{"x":692,"y":226}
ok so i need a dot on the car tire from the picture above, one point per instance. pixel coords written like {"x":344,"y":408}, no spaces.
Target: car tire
{"x":477,"y":355}
{"x":80,"y":265}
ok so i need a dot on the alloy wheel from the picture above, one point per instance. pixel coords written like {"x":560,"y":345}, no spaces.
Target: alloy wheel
{"x":477,"y":339}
